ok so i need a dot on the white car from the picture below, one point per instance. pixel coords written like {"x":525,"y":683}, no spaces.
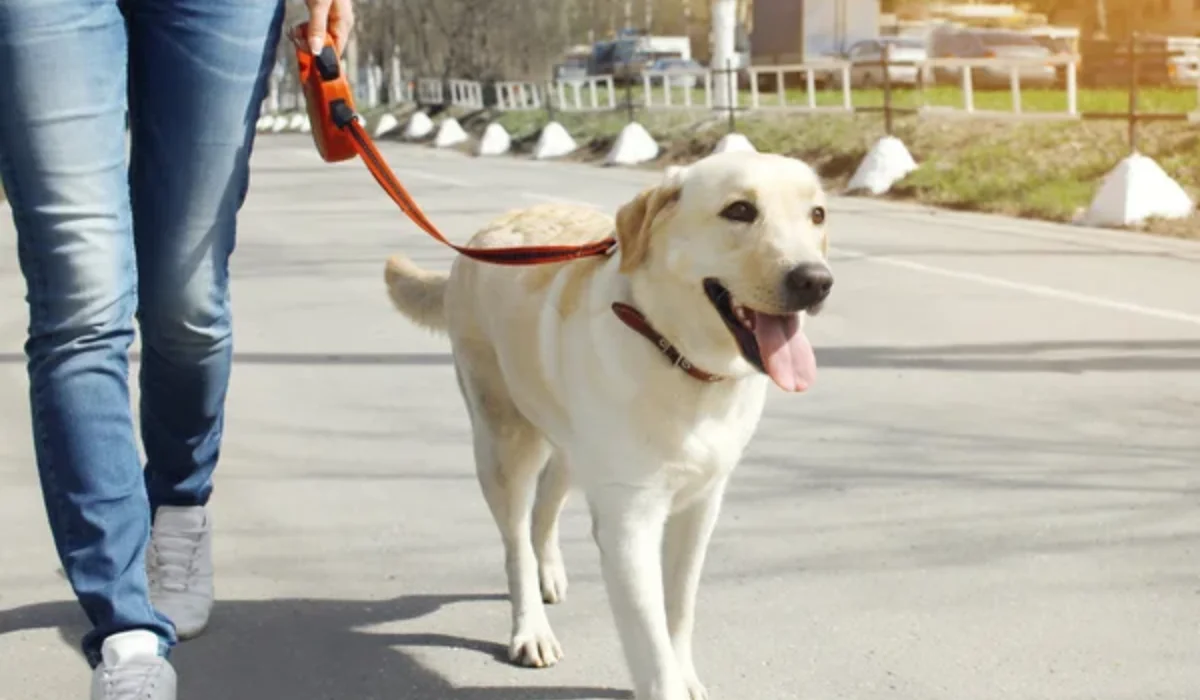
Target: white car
{"x":907,"y":54}
{"x":1185,"y":70}
{"x":677,"y":72}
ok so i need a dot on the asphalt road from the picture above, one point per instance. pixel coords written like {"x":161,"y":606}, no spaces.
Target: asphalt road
{"x":993,"y":492}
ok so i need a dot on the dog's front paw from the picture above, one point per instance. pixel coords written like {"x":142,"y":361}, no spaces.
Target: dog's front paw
{"x":535,"y":646}
{"x":696,"y":689}
{"x":553,"y":575}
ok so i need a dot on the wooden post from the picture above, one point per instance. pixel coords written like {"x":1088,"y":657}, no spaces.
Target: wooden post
{"x":1133,"y":92}
{"x":885,"y":59}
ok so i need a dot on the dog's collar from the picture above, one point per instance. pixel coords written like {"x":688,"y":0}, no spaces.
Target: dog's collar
{"x":637,"y":321}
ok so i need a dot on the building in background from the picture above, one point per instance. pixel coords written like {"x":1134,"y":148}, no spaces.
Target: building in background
{"x":693,"y":18}
{"x":1163,"y":17}
{"x":793,"y":31}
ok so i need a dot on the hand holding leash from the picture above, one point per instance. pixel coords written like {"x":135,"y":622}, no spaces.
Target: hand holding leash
{"x":322,"y":14}
{"x":327,"y":94}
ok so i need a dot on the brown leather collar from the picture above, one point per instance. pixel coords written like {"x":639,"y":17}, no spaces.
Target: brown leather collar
{"x":637,"y":321}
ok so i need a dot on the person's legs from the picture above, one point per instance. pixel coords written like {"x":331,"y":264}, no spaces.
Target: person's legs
{"x":198,"y":73}
{"x":62,"y":160}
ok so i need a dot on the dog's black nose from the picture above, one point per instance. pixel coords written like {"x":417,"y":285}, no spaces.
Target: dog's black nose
{"x":809,"y":284}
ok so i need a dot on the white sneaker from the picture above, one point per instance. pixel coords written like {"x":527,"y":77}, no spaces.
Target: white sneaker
{"x":179,"y":565}
{"x":131,"y":669}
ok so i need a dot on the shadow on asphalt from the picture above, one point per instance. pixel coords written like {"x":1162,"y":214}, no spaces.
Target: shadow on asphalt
{"x":302,"y":649}
{"x":314,"y":358}
{"x":1066,"y":357}
{"x":884,"y":251}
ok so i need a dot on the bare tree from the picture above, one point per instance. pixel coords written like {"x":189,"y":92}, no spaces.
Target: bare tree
{"x":476,"y":39}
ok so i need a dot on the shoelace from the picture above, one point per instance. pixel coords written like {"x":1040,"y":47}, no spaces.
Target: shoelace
{"x":132,"y":679}
{"x":175,"y":558}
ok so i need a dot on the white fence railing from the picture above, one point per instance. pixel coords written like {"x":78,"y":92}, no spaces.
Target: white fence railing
{"x":590,"y":94}
{"x":827,"y":85}
{"x":779,"y":75}
{"x":677,"y":91}
{"x":430,"y":91}
{"x":466,"y":93}
{"x":512,"y":96}
{"x":1015,"y":68}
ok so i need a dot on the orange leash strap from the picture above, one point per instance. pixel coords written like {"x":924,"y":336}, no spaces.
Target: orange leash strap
{"x":523,"y":255}
{"x":339,"y":135}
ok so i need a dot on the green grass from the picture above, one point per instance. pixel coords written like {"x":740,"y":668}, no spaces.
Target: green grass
{"x":1041,"y":170}
{"x":1041,"y":100}
{"x":1035,"y":169}
{"x":1176,"y":101}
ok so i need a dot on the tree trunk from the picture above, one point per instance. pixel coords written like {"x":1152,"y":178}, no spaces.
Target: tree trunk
{"x":1101,"y":25}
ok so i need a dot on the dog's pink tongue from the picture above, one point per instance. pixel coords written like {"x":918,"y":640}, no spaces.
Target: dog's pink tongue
{"x":786,"y":352}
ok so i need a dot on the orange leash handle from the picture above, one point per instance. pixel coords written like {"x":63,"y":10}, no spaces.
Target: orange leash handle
{"x":326,"y":91}
{"x":339,"y":135}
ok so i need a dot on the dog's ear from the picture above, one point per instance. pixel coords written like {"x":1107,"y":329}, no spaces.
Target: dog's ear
{"x":635,"y":219}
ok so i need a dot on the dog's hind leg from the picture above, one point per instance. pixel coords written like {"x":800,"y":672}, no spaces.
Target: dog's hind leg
{"x":551,"y":497}
{"x":685,"y":544}
{"x":509,"y":454}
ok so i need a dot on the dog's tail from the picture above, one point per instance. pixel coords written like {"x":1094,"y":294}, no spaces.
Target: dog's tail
{"x":418,"y":294}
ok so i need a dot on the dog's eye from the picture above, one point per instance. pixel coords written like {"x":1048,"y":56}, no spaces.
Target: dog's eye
{"x":817,"y":215}
{"x":741,"y":211}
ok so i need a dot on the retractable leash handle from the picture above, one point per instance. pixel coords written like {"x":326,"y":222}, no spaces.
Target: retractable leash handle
{"x":339,"y":135}
{"x":327,"y":96}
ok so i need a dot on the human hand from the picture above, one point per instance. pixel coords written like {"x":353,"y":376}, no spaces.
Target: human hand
{"x":324,"y":13}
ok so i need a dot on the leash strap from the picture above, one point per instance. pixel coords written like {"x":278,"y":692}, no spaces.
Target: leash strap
{"x":338,"y":134}
{"x":521,"y":255}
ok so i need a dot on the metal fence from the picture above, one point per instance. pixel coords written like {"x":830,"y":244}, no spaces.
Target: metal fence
{"x":818,"y":86}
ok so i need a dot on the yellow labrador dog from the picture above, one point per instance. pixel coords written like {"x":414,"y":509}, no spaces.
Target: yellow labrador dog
{"x":638,"y":377}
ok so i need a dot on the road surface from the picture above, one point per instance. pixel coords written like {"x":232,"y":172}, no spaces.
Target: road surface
{"x":993,"y":492}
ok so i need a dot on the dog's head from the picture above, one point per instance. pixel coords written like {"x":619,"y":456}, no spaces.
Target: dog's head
{"x":728,"y":254}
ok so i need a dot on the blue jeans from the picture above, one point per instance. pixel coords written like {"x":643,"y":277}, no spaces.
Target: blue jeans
{"x":101,"y":242}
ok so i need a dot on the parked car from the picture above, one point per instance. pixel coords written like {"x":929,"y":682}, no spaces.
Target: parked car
{"x":618,"y":58}
{"x":1059,"y":47}
{"x":906,"y":56}
{"x":573,"y":69}
{"x":679,"y":72}
{"x":1055,"y":44}
{"x":1184,"y":70}
{"x":1037,"y":71}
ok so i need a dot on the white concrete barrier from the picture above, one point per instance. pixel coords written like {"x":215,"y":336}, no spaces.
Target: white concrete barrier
{"x":296,"y":121}
{"x":495,"y":141}
{"x":419,"y":126}
{"x":1136,"y":190}
{"x":886,"y":163}
{"x":634,"y":145}
{"x":387,"y":124}
{"x":450,"y":133}
{"x":554,"y":142}
{"x":734,"y":142}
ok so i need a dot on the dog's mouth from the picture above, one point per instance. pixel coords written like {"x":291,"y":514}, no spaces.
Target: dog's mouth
{"x":773,"y":343}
